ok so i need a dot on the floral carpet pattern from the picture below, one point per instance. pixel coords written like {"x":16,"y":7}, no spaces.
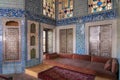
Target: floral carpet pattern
{"x":58,"y":73}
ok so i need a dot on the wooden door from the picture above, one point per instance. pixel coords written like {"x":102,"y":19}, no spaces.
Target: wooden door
{"x":69,"y":40}
{"x":100,"y":42}
{"x":11,"y":41}
{"x":63,"y":41}
{"x":66,"y":40}
{"x":94,"y":40}
{"x":105,"y":40}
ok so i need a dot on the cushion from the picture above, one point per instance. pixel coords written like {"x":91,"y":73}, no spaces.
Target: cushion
{"x":108,"y":65}
{"x":114,"y":66}
{"x":99,"y":59}
{"x":82,"y":57}
{"x":51,"y":56}
{"x":65,"y":55}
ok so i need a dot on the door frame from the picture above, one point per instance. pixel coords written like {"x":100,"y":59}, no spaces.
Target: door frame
{"x":4,"y":20}
{"x":114,"y":34}
{"x":73,"y":26}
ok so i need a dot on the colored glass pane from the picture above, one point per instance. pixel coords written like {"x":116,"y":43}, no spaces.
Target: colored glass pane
{"x":32,"y":40}
{"x":99,"y":5}
{"x":33,"y":53}
{"x":65,"y":9}
{"x":33,"y":28}
{"x":49,"y":8}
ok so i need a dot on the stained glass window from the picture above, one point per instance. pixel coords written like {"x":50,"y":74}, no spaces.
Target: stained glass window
{"x":32,"y":40}
{"x":33,"y":28}
{"x":65,"y":9}
{"x":49,"y":8}
{"x":33,"y":53}
{"x":99,"y":5}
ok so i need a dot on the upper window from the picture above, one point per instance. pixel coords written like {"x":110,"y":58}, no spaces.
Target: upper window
{"x":99,"y":5}
{"x":65,"y":9}
{"x":49,"y":8}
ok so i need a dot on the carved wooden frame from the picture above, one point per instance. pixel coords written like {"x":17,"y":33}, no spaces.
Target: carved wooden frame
{"x":5,"y":28}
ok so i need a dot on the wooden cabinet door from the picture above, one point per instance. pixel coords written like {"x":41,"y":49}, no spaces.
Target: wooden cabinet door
{"x":100,"y":40}
{"x":62,"y":42}
{"x":69,"y":40}
{"x":105,"y":40}
{"x":66,"y":40}
{"x":94,"y":40}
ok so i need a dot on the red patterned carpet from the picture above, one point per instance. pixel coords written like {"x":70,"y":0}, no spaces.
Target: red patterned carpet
{"x":58,"y":73}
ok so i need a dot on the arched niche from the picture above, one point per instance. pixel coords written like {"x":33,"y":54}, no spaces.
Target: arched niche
{"x":33,"y":53}
{"x":32,"y":40}
{"x":33,"y":28}
{"x":12,"y":23}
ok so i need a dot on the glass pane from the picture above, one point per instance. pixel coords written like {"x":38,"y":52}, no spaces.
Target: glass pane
{"x":33,"y":53}
{"x":44,"y":41}
{"x":99,"y":5}
{"x":49,"y":8}
{"x":32,"y":40}
{"x":33,"y":28}
{"x":65,"y":9}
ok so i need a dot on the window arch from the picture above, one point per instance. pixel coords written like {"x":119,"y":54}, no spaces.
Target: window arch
{"x":65,"y":9}
{"x":33,"y":53}
{"x":99,"y":5}
{"x":49,"y":8}
{"x":12,"y":23}
{"x":33,"y":28}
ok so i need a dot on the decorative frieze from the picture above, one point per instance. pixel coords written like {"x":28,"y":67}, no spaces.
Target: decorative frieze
{"x":111,"y":14}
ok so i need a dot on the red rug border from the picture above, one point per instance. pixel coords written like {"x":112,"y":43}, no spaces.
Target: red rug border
{"x":63,"y":68}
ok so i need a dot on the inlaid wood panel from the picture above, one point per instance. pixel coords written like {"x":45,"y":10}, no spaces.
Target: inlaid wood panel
{"x":66,"y":40}
{"x":11,"y":44}
{"x":32,"y":40}
{"x":69,"y":42}
{"x":105,"y":40}
{"x":50,"y":41}
{"x":11,"y":40}
{"x":101,"y":40}
{"x":94,"y":40}
{"x":63,"y":41}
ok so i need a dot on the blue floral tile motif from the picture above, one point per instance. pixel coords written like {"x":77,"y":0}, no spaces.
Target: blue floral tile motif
{"x":40,"y":18}
{"x":110,"y":14}
{"x":11,"y":12}
{"x":14,"y":67}
{"x":32,"y":62}
{"x":80,"y":38}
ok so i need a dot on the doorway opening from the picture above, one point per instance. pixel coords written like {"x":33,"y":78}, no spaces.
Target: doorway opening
{"x":47,"y":41}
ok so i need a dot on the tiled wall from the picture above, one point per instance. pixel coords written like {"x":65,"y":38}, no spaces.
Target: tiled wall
{"x":33,"y":11}
{"x":14,"y":67}
{"x":12,"y":4}
{"x":111,"y":14}
{"x":34,"y":6}
{"x":80,"y":8}
{"x":12,"y":9}
{"x":80,"y":38}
